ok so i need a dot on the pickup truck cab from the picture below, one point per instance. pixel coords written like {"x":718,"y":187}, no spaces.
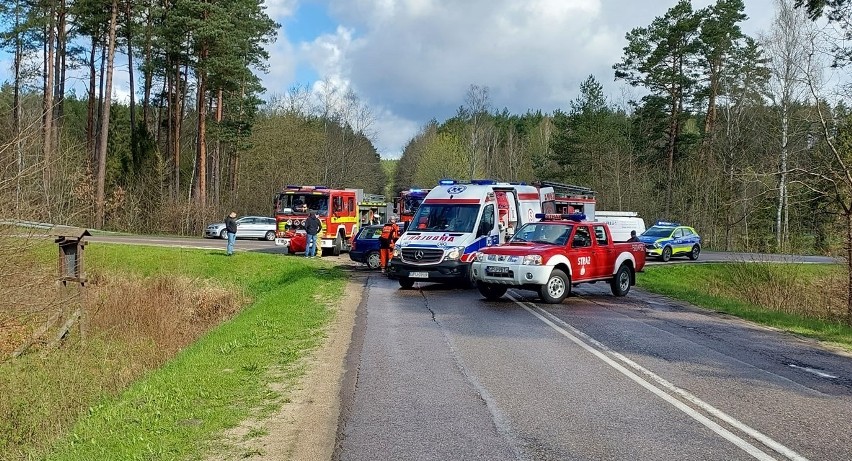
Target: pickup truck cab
{"x":554,"y":254}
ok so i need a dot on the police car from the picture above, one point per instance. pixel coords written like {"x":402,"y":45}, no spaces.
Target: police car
{"x":666,"y":239}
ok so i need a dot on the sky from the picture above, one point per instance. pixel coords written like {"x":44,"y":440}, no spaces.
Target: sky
{"x":414,"y":60}
{"x":411,"y":61}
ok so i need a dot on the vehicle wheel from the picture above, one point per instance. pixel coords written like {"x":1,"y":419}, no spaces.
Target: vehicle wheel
{"x":224,"y":234}
{"x":338,"y":245}
{"x":406,"y":283}
{"x":373,"y":261}
{"x":696,"y":250}
{"x":620,"y":283}
{"x":667,"y":254}
{"x":270,"y":236}
{"x":492,"y":292}
{"x":556,"y":288}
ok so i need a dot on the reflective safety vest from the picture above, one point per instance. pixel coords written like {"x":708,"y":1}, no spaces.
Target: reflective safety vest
{"x":390,"y":232}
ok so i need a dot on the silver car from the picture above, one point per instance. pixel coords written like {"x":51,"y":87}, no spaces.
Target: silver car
{"x":259,"y":227}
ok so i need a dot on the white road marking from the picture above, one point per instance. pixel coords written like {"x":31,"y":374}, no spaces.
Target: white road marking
{"x":814,"y":371}
{"x":602,"y":351}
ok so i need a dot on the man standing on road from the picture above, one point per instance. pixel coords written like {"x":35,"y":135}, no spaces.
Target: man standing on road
{"x":312,"y":228}
{"x":633,"y":237}
{"x":231,"y":229}
{"x":387,"y":239}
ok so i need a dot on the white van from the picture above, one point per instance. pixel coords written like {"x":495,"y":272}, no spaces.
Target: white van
{"x":621,"y":223}
{"x":457,"y":219}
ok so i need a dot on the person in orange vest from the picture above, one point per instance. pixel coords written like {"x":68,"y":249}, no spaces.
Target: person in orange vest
{"x":387,"y":239}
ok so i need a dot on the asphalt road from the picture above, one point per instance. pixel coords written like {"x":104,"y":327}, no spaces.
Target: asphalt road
{"x":442,"y":374}
{"x":437,"y":373}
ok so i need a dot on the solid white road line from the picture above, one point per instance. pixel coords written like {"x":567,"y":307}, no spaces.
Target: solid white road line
{"x":602,"y":351}
{"x":821,"y":374}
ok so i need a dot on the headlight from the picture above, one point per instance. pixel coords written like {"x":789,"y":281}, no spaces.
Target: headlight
{"x":481,"y":257}
{"x":532,"y":260}
{"x":455,"y":253}
{"x":656,"y":244}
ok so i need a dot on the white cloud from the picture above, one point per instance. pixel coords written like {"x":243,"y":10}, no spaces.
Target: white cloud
{"x":413,"y":60}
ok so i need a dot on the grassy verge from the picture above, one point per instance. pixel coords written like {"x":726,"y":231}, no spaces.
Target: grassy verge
{"x":805,"y":299}
{"x":172,"y":408}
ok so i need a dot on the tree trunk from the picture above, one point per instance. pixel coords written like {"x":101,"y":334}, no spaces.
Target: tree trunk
{"x":848,"y":268}
{"x":215,"y":168}
{"x":90,"y":107}
{"x":780,"y":235}
{"x":201,"y":147}
{"x":47,"y":103}
{"x":133,"y":140}
{"x":148,"y":74}
{"x":61,"y":46}
{"x":104,"y":134}
{"x":16,"y":102}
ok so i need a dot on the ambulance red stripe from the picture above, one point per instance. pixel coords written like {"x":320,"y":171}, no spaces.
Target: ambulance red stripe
{"x":528,"y":196}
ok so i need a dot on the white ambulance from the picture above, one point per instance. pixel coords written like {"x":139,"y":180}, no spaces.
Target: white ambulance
{"x":457,"y":219}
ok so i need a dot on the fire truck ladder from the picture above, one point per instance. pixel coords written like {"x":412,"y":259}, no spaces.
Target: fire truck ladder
{"x":568,"y":190}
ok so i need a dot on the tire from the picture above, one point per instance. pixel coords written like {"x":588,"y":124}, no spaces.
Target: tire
{"x":270,"y":236}
{"x":666,"y":255}
{"x":338,"y":245}
{"x":491,"y":291}
{"x":620,"y":283}
{"x":406,"y":283}
{"x":696,"y":250}
{"x":556,"y":288}
{"x":373,"y":260}
{"x":224,"y":234}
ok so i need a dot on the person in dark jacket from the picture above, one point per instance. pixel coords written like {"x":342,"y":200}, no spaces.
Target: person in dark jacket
{"x":312,"y":227}
{"x":387,"y":240}
{"x":633,"y":237}
{"x":231,"y":229}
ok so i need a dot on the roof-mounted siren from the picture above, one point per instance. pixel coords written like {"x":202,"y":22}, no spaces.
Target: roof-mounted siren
{"x":321,"y":187}
{"x":447,"y":182}
{"x":666,"y":224}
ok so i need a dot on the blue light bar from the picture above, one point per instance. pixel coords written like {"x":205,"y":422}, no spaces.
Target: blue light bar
{"x":446,"y":182}
{"x":414,"y":190}
{"x":483,"y":182}
{"x":321,"y":187}
{"x":666,"y":224}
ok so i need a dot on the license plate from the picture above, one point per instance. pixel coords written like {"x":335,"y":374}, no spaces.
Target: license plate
{"x":497,"y":269}
{"x":418,"y":275}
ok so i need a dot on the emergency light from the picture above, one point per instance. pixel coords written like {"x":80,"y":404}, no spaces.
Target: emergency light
{"x":446,"y":182}
{"x":483,"y":182}
{"x":321,"y":187}
{"x":576,"y":217}
{"x":666,"y":224}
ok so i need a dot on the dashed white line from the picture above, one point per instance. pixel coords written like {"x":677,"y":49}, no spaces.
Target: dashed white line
{"x":603,"y":352}
{"x":819,"y":373}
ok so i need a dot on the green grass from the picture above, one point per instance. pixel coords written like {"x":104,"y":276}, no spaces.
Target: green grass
{"x":175,"y":411}
{"x":805,"y":299}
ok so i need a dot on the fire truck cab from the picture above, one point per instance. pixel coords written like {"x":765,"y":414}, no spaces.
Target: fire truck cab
{"x":408,"y":202}
{"x":456,"y":220}
{"x":337,"y":209}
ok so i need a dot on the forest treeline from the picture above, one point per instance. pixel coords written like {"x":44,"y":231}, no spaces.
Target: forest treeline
{"x":738,"y":136}
{"x":193,"y":140}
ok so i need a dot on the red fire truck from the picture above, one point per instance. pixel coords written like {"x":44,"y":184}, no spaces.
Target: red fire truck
{"x":569,"y":199}
{"x":408,"y":202}
{"x":337,"y":209}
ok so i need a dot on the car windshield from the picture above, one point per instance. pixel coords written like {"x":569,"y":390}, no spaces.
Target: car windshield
{"x":552,"y":233}
{"x":301,"y":203}
{"x":370,"y":233}
{"x":445,"y":218}
{"x":411,"y":204}
{"x":658,"y":232}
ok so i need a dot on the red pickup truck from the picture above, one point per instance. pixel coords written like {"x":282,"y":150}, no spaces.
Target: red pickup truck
{"x":552,"y":255}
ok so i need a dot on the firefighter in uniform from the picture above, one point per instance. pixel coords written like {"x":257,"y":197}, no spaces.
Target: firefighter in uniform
{"x":387,"y":239}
